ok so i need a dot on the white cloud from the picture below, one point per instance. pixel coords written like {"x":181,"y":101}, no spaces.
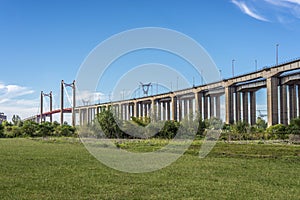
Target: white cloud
{"x":11,"y":101}
{"x":292,"y":1}
{"x":292,"y":7}
{"x":246,"y":9}
{"x":281,"y":11}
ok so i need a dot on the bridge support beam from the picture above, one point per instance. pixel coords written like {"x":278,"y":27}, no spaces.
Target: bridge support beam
{"x":238,"y":115}
{"x":272,"y":100}
{"x":174,"y":108}
{"x":245,"y":107}
{"x":229,"y":105}
{"x":292,"y":102}
{"x":283,"y":105}
{"x":211,"y":106}
{"x":205,"y":107}
{"x":252,"y":108}
{"x":218,"y":107}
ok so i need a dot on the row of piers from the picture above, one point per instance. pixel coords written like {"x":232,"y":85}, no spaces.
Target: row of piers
{"x":233,"y":100}
{"x":237,"y":96}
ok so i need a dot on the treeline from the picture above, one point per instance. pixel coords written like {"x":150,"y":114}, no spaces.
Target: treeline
{"x":18,"y":128}
{"x":168,"y":129}
{"x":105,"y":124}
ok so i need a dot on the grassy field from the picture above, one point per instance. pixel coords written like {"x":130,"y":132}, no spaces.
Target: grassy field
{"x":61,"y":169}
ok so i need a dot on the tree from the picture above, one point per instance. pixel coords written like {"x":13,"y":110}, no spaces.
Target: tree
{"x":261,"y":124}
{"x":108,"y":124}
{"x":1,"y":131}
{"x":29,"y":128}
{"x":16,"y":119}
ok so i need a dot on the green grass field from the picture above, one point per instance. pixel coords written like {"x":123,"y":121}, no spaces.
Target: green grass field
{"x":61,"y":169}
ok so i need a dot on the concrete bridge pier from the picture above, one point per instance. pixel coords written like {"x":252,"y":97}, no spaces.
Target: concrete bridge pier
{"x":272,"y":100}
{"x":205,"y":107}
{"x":283,"y":105}
{"x":229,"y":119}
{"x":211,"y":106}
{"x":245,"y":107}
{"x":252,"y":108}
{"x":174,"y":107}
{"x":292,"y":102}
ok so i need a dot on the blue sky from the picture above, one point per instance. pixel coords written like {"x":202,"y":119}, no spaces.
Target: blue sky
{"x":43,"y":42}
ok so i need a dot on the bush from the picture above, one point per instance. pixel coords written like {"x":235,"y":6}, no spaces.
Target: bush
{"x":277,"y":131}
{"x":1,"y":131}
{"x":108,"y":125}
{"x":239,"y":130}
{"x":12,"y":131}
{"x":294,"y":127}
{"x":29,"y":128}
{"x":169,"y":130}
{"x":64,"y":130}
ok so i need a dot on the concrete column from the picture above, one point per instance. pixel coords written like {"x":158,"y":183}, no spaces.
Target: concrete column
{"x":126,"y":111}
{"x":212,"y":106}
{"x":179,"y":109}
{"x":229,"y":105}
{"x":158,"y":110}
{"x":87,"y":116}
{"x":150,"y":109}
{"x":218,"y":107}
{"x":80,"y":119}
{"x":130,"y":111}
{"x":245,"y":107}
{"x":191,"y":110}
{"x":272,"y":100}
{"x":198,"y":104}
{"x":146,"y":114}
{"x":174,"y":108}
{"x":153,"y":111}
{"x":185,"y":101}
{"x":283,"y":105}
{"x":205,"y":107}
{"x":135,"y":109}
{"x":122,"y":112}
{"x":168,"y":110}
{"x":141,"y":109}
{"x":163,"y":110}
{"x":292,"y":101}
{"x":252,"y":108}
{"x":238,"y":115}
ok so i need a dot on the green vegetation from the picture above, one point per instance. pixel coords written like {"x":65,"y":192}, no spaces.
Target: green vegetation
{"x":32,"y":129}
{"x":168,"y":129}
{"x":61,"y":168}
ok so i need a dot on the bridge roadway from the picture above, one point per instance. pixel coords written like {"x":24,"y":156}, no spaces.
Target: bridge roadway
{"x":283,"y":99}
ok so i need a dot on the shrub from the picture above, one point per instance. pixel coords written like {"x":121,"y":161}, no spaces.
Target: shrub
{"x":12,"y":131}
{"x":64,"y":130}
{"x":1,"y":131}
{"x":169,"y":129}
{"x":45,"y":129}
{"x":108,"y":125}
{"x":29,"y":128}
{"x":277,"y":131}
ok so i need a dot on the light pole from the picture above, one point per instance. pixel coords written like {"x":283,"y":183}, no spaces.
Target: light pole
{"x":277,"y":45}
{"x":233,"y":67}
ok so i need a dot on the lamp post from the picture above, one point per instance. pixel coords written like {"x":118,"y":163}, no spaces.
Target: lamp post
{"x":277,"y":45}
{"x":233,"y":67}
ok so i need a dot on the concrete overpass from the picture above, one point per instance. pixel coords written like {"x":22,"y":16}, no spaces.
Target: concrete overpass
{"x":283,"y":92}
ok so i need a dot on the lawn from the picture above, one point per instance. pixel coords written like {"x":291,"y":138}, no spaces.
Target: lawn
{"x":64,"y":169}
